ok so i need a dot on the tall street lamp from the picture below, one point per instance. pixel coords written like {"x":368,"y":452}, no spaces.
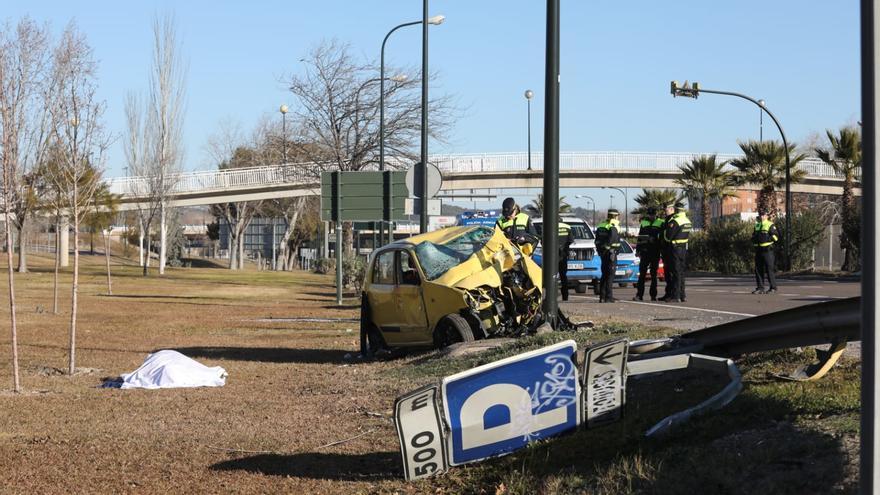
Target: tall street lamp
{"x":593,"y":201}
{"x":422,"y":169}
{"x":625,"y":207}
{"x":529,"y":94}
{"x":694,"y":90}
{"x":436,"y":20}
{"x":761,"y":121}
{"x":283,"y":110}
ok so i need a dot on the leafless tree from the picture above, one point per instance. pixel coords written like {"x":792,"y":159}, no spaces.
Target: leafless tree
{"x":230,"y":150}
{"x":78,"y":130}
{"x":154,"y":147}
{"x":23,"y":52}
{"x":337,"y":111}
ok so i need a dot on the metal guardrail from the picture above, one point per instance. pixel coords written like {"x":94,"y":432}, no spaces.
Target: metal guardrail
{"x":308,"y":173}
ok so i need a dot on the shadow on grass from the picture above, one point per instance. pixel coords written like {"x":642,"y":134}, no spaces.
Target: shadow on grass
{"x":266,"y":354}
{"x":348,"y":467}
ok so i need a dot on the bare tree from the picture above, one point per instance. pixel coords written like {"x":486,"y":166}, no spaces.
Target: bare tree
{"x":145,"y":183}
{"x":337,"y":111}
{"x":78,"y":130}
{"x":154,"y":147}
{"x":22,"y":62}
{"x":230,"y":151}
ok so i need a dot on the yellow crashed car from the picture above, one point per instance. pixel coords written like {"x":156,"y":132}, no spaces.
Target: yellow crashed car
{"x":453,"y":285}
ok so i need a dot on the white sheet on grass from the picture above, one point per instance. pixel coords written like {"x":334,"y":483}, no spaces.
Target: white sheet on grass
{"x":171,"y":369}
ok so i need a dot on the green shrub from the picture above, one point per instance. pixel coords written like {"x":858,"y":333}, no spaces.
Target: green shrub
{"x":725,"y":247}
{"x":325,"y":265}
{"x":353,"y":272}
{"x":807,"y":231}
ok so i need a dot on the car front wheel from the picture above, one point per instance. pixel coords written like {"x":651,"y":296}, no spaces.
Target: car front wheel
{"x":452,"y":329}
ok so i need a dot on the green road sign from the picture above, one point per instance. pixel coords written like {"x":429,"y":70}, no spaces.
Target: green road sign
{"x":363,"y":196}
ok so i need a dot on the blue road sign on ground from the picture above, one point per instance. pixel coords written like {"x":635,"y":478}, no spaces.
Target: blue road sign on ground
{"x":500,"y":407}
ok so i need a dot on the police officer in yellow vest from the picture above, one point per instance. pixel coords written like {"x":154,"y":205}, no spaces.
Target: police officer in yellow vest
{"x":676,"y":232}
{"x":648,"y":251}
{"x":517,"y":226}
{"x":608,"y":244}
{"x":564,"y":249}
{"x":764,"y":238}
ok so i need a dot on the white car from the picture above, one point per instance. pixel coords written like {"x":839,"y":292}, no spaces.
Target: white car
{"x":584,"y":265}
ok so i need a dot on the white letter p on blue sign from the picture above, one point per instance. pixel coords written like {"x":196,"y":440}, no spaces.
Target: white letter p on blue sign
{"x":500,"y":407}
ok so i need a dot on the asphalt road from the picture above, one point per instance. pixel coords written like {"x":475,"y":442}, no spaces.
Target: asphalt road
{"x":711,"y":301}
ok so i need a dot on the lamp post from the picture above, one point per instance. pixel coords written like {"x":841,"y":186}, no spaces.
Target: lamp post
{"x":761,"y":121}
{"x":436,"y":20}
{"x":625,"y":206}
{"x":283,"y":110}
{"x":550,"y":232}
{"x":593,"y":201}
{"x":529,"y":94}
{"x":694,"y":90}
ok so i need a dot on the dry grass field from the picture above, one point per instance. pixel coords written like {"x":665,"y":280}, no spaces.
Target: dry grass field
{"x":291,"y":395}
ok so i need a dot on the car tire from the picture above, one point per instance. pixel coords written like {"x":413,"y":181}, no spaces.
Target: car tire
{"x":581,"y":288}
{"x":452,"y":329}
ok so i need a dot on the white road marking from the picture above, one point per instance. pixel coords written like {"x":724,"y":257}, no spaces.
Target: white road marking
{"x":674,"y":307}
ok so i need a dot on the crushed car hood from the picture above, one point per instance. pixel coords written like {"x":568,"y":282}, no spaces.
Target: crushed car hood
{"x":485,"y":267}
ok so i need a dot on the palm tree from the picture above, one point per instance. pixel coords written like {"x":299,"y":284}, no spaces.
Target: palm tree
{"x":658,"y":198}
{"x":763,"y":165}
{"x":704,"y":176}
{"x":845,"y":157}
{"x":536,"y":208}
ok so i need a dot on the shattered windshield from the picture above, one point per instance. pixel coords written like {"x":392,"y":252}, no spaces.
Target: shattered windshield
{"x":437,"y":259}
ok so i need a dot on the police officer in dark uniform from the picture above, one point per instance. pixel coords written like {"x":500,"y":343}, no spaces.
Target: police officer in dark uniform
{"x":608,"y":244}
{"x":676,"y":231}
{"x":648,"y":250}
{"x":764,"y":238}
{"x":515,"y":223}
{"x":564,"y":249}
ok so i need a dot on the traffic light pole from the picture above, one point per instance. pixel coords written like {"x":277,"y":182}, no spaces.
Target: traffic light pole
{"x":550,"y":234}
{"x":694,"y":91}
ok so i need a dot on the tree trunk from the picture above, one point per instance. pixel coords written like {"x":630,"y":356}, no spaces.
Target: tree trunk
{"x":22,"y":247}
{"x":707,"y":216}
{"x":141,"y":245}
{"x":91,"y":241}
{"x":850,"y":260}
{"x":233,"y":249}
{"x":163,"y":238}
{"x":15,"y":375}
{"x":107,"y":257}
{"x":241,"y":250}
{"x":147,"y":254}
{"x":766,"y":196}
{"x":74,"y":288}
{"x":57,"y":265}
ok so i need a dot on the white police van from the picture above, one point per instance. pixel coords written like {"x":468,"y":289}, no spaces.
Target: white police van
{"x":584,"y":265}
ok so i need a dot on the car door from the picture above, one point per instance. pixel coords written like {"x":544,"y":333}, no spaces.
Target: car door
{"x":410,"y":308}
{"x":382,"y":297}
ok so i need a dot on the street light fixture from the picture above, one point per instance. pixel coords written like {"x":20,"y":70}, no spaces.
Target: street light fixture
{"x":436,"y":21}
{"x":593,"y":201}
{"x":283,"y":110}
{"x":625,"y":206}
{"x":529,"y":94}
{"x":694,"y":90}
{"x":761,"y":122}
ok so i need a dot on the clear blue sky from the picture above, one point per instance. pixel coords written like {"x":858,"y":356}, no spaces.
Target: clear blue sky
{"x":801,"y":56}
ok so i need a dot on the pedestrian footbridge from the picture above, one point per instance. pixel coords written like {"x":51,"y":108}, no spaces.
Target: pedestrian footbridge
{"x":496,"y":171}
